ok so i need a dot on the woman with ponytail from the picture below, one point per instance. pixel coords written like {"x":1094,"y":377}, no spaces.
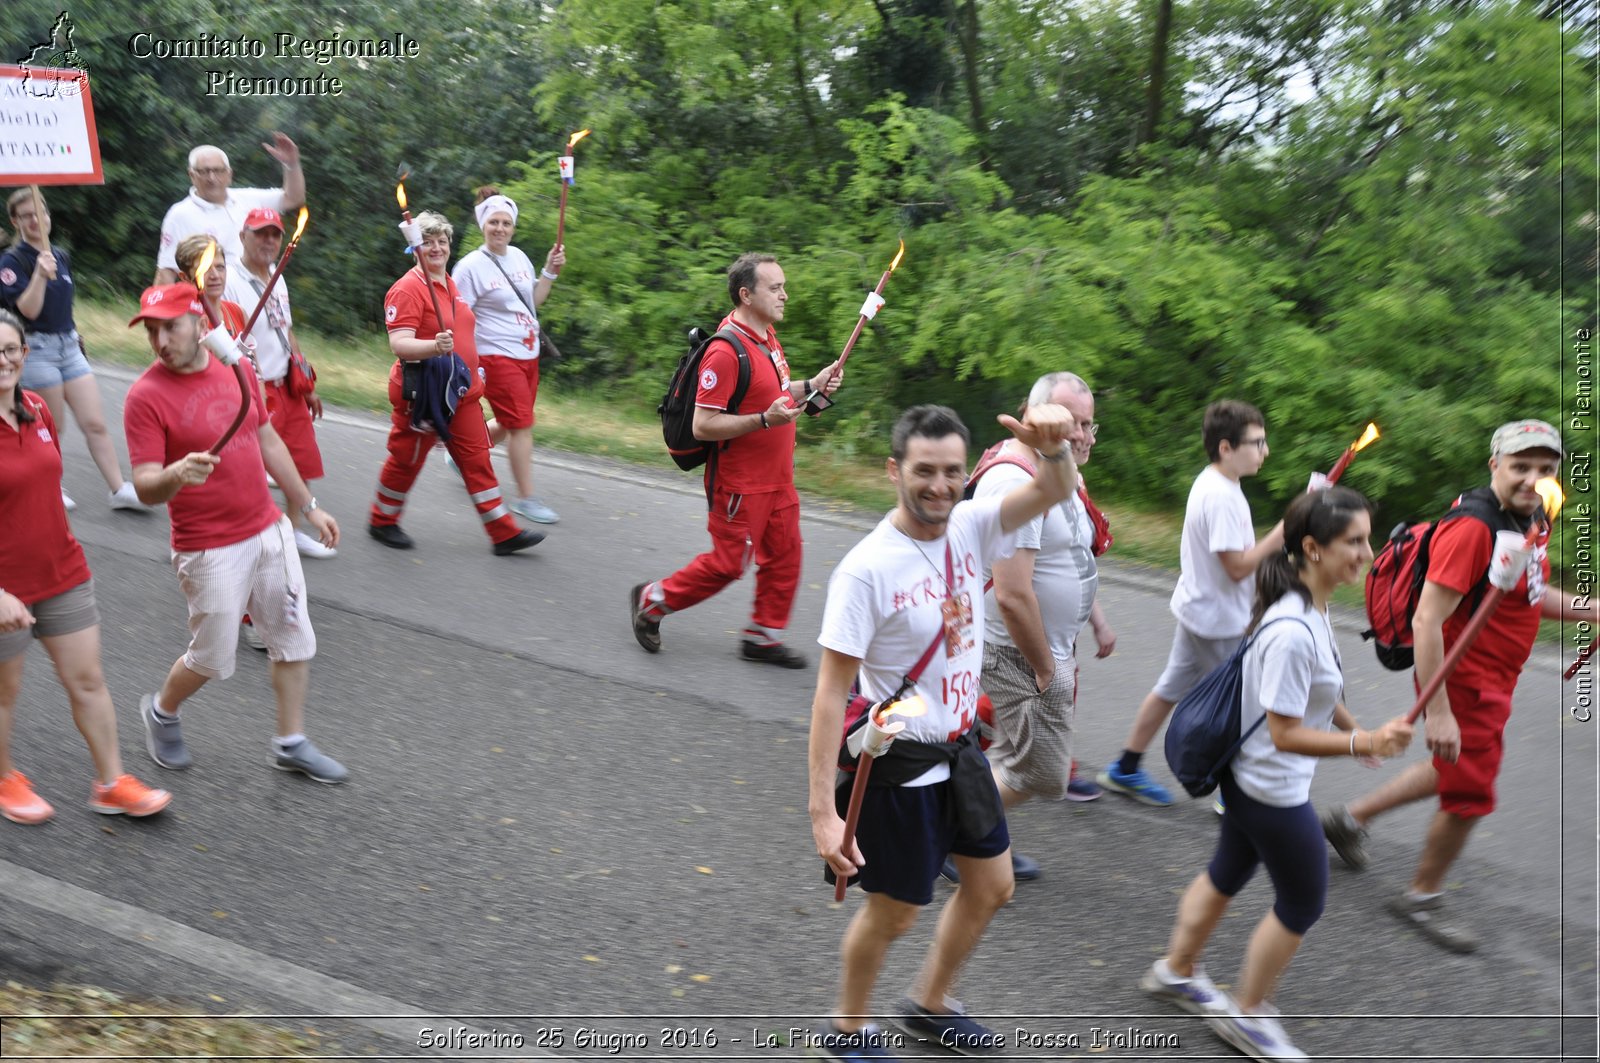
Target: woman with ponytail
{"x":47,"y":593}
{"x":1292,"y":675}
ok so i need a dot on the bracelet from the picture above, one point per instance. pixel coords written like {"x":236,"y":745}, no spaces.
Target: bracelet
{"x":763,"y":416}
{"x":1353,"y":732}
{"x":1060,"y":455}
{"x":547,"y":275}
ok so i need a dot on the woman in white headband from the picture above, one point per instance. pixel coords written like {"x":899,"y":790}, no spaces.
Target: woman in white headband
{"x":499,"y":283}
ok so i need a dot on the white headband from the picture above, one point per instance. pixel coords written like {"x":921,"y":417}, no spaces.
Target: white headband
{"x":494,"y":204}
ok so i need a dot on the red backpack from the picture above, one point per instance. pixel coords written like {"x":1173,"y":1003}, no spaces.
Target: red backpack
{"x":1394,"y":583}
{"x":995,"y":456}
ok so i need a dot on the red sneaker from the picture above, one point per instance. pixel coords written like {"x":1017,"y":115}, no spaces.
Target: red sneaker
{"x":128,"y":797}
{"x":19,"y":803}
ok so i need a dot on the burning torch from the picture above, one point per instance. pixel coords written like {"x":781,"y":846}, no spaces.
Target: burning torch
{"x":1506,"y":566}
{"x":817,"y":401}
{"x":412,"y":231}
{"x":277,"y":271}
{"x":868,"y":742}
{"x":1359,"y":445}
{"x":565,"y":164}
{"x":224,"y":346}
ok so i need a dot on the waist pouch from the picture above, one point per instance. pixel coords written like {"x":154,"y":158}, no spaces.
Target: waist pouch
{"x":410,"y":380}
{"x":974,"y":805}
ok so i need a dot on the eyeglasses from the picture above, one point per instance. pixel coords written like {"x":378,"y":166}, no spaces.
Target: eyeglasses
{"x":210,"y":171}
{"x":1093,"y":428}
{"x":1260,"y":443}
{"x":13,"y":353}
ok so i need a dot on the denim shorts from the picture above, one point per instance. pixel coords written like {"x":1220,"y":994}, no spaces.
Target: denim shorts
{"x":54,"y":358}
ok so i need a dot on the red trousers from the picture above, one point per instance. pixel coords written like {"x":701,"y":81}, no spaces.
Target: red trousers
{"x":763,"y":528}
{"x":292,"y":419}
{"x":469,"y":445}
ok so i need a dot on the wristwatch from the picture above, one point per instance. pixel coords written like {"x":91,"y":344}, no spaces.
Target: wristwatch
{"x":309,"y":506}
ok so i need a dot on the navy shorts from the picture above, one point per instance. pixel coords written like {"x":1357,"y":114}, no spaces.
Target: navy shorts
{"x":906,"y":832}
{"x":1287,"y":840}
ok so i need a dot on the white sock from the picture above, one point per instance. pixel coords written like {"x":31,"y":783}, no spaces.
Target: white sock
{"x":284,"y":743}
{"x":1414,"y":895}
{"x":163,"y":714}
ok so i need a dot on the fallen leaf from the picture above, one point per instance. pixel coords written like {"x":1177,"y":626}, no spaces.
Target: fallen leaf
{"x":592,"y":959}
{"x":496,"y":749}
{"x":219,"y":915}
{"x":701,"y":978}
{"x":673,"y":968}
{"x":218,"y":999}
{"x":702,"y":869}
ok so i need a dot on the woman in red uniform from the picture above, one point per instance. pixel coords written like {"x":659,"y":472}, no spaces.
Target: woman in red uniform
{"x":412,"y":311}
{"x":47,"y":593}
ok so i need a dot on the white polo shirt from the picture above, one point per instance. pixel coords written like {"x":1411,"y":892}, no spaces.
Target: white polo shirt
{"x":222,"y":221}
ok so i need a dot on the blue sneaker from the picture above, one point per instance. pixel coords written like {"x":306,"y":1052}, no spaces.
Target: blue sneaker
{"x":950,"y":1030}
{"x":1135,"y":784}
{"x":1081,"y":789}
{"x":868,"y":1043}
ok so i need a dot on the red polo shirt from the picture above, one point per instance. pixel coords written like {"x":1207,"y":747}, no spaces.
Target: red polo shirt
{"x":41,"y":558}
{"x":408,"y":306}
{"x":757,"y":461}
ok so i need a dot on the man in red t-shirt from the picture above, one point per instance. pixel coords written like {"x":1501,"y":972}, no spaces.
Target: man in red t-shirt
{"x":1466,"y":720}
{"x":233,"y":550}
{"x":755,"y":513}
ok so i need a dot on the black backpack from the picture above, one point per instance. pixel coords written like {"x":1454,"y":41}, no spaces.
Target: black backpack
{"x":677,"y":406}
{"x":1203,"y":733}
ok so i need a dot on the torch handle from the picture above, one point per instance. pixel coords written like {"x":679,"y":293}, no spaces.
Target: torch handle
{"x":561,"y":215}
{"x":277,"y":271}
{"x":852,"y":816}
{"x":38,"y":213}
{"x":1340,"y":465}
{"x":244,"y":408}
{"x":1584,"y":655}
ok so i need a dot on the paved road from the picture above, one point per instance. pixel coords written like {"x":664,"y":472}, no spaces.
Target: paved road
{"x":546,"y":822}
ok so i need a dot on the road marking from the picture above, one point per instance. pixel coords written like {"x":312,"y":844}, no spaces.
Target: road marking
{"x":321,"y":995}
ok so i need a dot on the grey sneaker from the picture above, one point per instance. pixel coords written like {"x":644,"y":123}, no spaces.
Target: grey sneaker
{"x":1196,"y":994}
{"x":534,"y":510}
{"x":162,"y":738}
{"x":1348,"y":838}
{"x":1426,"y":916}
{"x":312,"y":762}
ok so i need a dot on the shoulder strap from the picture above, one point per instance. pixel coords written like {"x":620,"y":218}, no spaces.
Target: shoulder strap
{"x":509,"y":281}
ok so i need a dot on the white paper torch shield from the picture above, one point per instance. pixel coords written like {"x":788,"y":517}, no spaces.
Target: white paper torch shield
{"x":1510,"y":559}
{"x":412,"y":231}
{"x":221,"y":344}
{"x":873,"y":303}
{"x":566,"y":165}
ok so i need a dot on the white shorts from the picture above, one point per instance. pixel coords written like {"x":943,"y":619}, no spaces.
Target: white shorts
{"x":1191,"y":660}
{"x":261,"y":576}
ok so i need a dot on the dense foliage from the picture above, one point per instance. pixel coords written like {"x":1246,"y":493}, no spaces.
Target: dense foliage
{"x":1341,"y":210}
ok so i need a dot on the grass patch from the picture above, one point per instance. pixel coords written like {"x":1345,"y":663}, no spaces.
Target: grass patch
{"x":50,"y":1023}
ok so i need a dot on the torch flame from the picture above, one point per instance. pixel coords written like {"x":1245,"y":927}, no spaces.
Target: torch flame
{"x":1367,"y":437}
{"x":1550,"y":490}
{"x":203,"y":266}
{"x":300,"y":226}
{"x":579,"y":135}
{"x":893,"y":265}
{"x":399,"y":195}
{"x":912,"y":706}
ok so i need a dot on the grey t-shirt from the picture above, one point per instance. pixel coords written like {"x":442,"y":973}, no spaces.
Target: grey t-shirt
{"x":1065,"y":576}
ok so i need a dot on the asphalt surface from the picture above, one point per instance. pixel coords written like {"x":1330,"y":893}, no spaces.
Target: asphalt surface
{"x":549,"y":831}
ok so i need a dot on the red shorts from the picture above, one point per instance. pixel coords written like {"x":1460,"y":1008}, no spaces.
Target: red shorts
{"x":1466,"y":788}
{"x":292,"y":420}
{"x":510,"y":385}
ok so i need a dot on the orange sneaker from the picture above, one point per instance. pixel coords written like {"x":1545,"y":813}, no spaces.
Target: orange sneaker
{"x":128,"y":796}
{"x":19,"y":803}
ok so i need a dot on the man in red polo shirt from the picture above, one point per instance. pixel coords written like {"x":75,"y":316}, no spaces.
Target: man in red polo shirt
{"x":755,"y":512}
{"x":1466,"y":720}
{"x":233,"y":550}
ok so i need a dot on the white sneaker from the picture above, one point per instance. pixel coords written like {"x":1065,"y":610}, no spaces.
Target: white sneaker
{"x":252,"y":637}
{"x":310,"y":547}
{"x":66,"y":501}
{"x":125,"y":497}
{"x":1196,"y":994}
{"x":270,"y":481}
{"x":534,"y":510}
{"x":1257,"y":1035}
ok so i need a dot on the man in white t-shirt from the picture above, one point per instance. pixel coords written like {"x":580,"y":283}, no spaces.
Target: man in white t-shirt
{"x":1042,"y":597}
{"x":914,"y":587}
{"x":274,"y":341}
{"x":217,"y":209}
{"x":1219,"y":555}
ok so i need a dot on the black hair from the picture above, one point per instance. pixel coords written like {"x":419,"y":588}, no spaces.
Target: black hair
{"x":1324,"y":515}
{"x":1227,"y":419}
{"x":929,"y":422}
{"x":742,"y":274}
{"x":20,"y":408}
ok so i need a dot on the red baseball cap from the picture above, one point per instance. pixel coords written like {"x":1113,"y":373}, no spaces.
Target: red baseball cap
{"x":263,"y":218}
{"x":167,"y":302}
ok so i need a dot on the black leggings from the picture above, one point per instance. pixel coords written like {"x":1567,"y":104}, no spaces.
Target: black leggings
{"x":1288,"y":840}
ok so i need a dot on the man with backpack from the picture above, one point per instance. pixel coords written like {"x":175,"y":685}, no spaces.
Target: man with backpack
{"x":1043,"y":596}
{"x":914,"y":586}
{"x":1466,"y":720}
{"x":755,"y":512}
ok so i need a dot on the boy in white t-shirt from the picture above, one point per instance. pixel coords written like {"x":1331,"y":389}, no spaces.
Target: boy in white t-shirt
{"x":1219,"y":555}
